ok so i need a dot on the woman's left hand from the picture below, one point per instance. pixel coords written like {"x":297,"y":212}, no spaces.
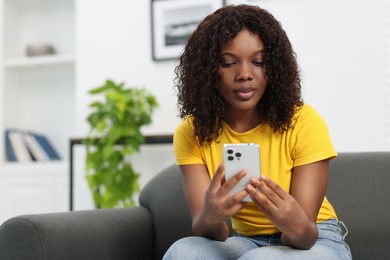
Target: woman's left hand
{"x":294,"y":214}
{"x":279,"y":206}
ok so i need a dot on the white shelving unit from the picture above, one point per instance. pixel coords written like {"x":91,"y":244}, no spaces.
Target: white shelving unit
{"x":36,"y":94}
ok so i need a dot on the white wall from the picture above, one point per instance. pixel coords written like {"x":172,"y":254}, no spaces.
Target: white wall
{"x":341,"y":48}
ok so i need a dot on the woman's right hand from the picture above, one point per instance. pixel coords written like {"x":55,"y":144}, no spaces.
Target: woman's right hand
{"x":208,"y":200}
{"x":218,"y":204}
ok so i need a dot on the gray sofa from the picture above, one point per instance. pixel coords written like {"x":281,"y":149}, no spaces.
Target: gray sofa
{"x":359,"y":188}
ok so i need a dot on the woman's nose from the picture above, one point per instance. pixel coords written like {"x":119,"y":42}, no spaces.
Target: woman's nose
{"x":244,"y":72}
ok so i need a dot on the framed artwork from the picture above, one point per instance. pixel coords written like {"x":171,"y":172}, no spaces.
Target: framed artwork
{"x":173,"y":21}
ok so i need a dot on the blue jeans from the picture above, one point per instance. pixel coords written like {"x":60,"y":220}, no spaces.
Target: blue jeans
{"x":330,"y":245}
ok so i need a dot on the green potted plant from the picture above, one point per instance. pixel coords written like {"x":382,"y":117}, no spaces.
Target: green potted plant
{"x":115,"y":122}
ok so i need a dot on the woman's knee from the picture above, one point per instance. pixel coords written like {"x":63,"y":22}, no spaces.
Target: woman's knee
{"x":204,"y":248}
{"x":318,"y":252}
{"x":186,"y":248}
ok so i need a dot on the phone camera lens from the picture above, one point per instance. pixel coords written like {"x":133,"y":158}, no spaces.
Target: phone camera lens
{"x":238,"y":154}
{"x":229,"y":151}
{"x":230,"y":158}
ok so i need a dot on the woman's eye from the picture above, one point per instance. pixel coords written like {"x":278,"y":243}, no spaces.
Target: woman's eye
{"x":258,"y":63}
{"x":227,"y":64}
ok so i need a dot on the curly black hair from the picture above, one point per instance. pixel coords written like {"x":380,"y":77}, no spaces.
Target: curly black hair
{"x":197,"y":74}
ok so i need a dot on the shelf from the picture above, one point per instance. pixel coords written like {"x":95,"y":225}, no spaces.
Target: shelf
{"x":15,"y":169}
{"x":39,"y":61}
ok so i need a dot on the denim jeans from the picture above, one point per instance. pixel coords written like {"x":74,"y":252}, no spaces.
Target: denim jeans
{"x":330,"y":245}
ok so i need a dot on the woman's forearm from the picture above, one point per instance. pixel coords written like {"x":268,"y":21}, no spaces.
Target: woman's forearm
{"x":303,"y":238}
{"x":205,"y":227}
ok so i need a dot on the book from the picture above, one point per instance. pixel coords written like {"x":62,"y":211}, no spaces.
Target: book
{"x":11,"y":156}
{"x":46,"y":146}
{"x":36,"y":150}
{"x":19,"y":147}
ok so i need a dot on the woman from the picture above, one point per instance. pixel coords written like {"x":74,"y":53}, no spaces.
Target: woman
{"x":238,"y":82}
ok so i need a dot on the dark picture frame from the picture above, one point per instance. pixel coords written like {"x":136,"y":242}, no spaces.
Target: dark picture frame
{"x":173,"y":21}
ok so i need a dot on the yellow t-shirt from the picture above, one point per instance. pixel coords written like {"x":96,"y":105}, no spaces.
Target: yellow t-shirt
{"x":307,"y":142}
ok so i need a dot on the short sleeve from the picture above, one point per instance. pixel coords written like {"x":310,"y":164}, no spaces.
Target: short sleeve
{"x":186,"y":147}
{"x":313,"y":142}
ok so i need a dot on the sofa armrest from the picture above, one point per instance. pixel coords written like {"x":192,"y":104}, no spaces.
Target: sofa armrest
{"x":91,"y":234}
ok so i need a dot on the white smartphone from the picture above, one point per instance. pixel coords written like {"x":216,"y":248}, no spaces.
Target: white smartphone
{"x":241,"y":156}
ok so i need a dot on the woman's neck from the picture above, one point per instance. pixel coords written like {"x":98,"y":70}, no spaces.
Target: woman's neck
{"x":242,"y":121}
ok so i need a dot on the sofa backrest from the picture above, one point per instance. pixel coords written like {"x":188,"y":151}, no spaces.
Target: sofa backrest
{"x":358,"y":188}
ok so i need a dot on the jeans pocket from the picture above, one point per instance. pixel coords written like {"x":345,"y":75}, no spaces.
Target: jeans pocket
{"x":332,"y":233}
{"x":331,"y":230}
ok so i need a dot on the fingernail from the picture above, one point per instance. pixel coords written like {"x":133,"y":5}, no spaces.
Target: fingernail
{"x":264,"y":177}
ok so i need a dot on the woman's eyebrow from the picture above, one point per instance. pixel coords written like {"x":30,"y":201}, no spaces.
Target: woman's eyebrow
{"x":228,"y":53}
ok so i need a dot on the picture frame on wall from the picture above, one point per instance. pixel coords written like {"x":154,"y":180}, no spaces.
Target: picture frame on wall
{"x":173,"y":21}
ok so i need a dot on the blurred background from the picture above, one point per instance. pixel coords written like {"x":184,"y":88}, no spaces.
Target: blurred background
{"x":343,"y":48}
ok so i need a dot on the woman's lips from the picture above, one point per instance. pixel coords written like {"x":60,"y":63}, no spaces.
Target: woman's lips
{"x":245,"y":94}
